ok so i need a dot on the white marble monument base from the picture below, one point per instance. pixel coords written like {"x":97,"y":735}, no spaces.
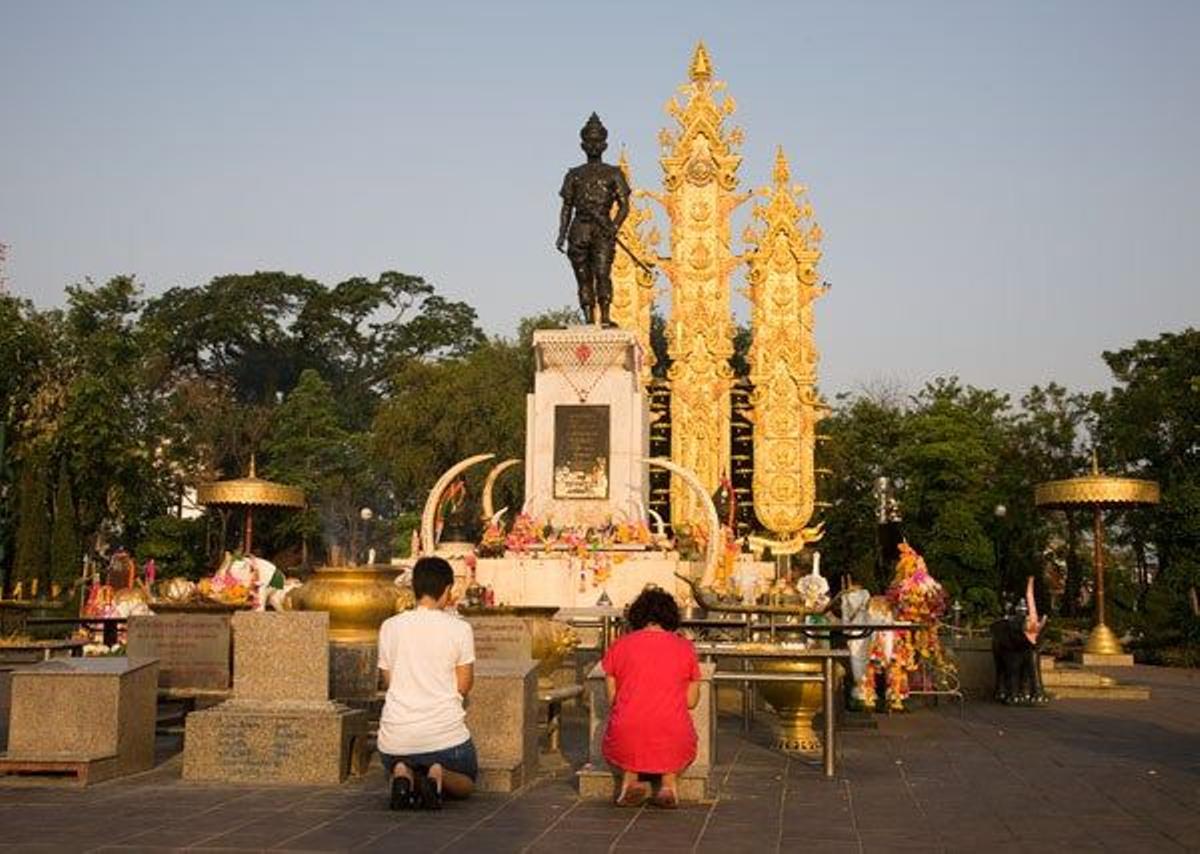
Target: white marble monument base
{"x":598,"y":369}
{"x":562,"y":581}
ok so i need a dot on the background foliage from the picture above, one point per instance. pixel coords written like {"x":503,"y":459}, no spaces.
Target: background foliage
{"x":115,"y":406}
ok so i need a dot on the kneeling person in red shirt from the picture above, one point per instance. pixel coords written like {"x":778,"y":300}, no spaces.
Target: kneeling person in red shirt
{"x":652,"y":677}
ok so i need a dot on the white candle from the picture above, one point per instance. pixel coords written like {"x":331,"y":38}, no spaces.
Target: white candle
{"x":816,"y":563}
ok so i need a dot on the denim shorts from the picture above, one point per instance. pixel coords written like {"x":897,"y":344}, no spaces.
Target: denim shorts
{"x":461,"y":759}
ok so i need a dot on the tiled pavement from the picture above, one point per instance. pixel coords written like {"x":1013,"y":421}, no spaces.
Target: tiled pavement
{"x":1079,"y":775}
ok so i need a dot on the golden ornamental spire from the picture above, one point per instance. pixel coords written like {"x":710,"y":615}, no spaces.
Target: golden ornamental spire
{"x":784,"y":250}
{"x":700,"y":69}
{"x":699,"y":162}
{"x":633,"y":286}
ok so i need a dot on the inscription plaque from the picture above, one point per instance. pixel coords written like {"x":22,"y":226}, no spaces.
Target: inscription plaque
{"x":581,"y":451}
{"x":500,"y":637}
{"x":192,"y":649}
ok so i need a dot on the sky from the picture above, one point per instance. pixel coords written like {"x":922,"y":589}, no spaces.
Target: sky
{"x":1007,"y":189}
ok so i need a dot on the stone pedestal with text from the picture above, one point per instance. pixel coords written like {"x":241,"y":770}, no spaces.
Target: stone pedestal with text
{"x":587,"y":428}
{"x":279,"y":726}
{"x":193,"y":650}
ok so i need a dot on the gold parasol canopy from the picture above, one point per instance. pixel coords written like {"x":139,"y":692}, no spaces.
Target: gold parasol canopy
{"x":1107,"y":493}
{"x":1099,"y":493}
{"x":249,"y":492}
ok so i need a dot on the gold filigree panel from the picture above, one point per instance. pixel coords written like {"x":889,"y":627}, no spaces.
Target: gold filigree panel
{"x":783,"y":283}
{"x":633,"y":286}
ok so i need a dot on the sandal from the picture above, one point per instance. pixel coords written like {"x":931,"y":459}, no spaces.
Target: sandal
{"x":633,"y":796}
{"x":666,"y":799}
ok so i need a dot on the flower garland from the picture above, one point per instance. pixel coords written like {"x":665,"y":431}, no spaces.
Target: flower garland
{"x":889,"y":654}
{"x":918,"y":598}
{"x":914,"y":596}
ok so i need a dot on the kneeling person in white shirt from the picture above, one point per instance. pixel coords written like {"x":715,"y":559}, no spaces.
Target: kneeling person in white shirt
{"x":427,"y":658}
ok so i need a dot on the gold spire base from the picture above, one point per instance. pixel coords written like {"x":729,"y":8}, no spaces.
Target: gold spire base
{"x":1103,"y":641}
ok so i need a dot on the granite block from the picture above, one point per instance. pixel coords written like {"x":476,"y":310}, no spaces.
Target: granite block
{"x":250,"y":741}
{"x":281,"y":655}
{"x":94,"y":717}
{"x":502,"y":718}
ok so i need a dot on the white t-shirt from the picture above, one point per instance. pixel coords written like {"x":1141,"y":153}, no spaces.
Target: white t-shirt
{"x":423,"y":711}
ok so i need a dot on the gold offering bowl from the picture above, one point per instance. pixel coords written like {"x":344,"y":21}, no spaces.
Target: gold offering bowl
{"x":358,"y":599}
{"x":795,"y":703}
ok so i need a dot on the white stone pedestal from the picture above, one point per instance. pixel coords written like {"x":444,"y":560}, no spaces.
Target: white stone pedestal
{"x":587,"y":428}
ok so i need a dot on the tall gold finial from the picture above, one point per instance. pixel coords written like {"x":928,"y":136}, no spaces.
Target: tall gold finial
{"x":701,"y":69}
{"x":253,"y":467}
{"x":623,"y":162}
{"x":783,"y":173}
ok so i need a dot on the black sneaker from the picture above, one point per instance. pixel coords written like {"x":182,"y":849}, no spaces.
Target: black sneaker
{"x":427,"y":793}
{"x":402,"y":794}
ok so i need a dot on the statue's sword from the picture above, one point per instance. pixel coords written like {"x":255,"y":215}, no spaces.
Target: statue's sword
{"x":649,"y":268}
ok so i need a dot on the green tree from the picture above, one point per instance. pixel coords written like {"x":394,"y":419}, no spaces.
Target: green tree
{"x":111,"y":425}
{"x":950,"y":457}
{"x":308,"y":448}
{"x":863,"y":439}
{"x":31,"y":559}
{"x":1149,"y":427}
{"x":1052,"y":434}
{"x":65,"y":550}
{"x":442,"y":412}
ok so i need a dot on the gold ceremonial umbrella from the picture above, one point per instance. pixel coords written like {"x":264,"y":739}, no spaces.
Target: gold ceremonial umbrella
{"x":1100,"y":493}
{"x":248,"y":493}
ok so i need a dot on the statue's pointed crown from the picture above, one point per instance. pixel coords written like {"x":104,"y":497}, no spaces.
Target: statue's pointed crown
{"x":594,"y":129}
{"x":700,"y":70}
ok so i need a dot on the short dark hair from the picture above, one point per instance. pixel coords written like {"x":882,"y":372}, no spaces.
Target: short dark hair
{"x":654,"y":605}
{"x":431,"y":577}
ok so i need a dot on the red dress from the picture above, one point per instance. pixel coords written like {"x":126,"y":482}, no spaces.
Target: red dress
{"x":649,"y":727}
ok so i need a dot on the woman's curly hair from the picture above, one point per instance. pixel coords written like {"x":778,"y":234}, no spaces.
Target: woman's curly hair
{"x":654,"y":605}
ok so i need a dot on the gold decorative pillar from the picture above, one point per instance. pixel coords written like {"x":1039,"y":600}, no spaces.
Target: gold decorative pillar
{"x":633,"y":286}
{"x":699,"y":182}
{"x":785,"y":246}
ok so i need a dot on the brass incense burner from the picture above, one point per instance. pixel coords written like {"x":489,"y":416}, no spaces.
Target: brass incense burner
{"x":357,"y":598}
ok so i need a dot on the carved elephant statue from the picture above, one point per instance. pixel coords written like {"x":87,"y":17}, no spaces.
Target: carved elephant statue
{"x":1015,"y":649}
{"x":1018,"y":671}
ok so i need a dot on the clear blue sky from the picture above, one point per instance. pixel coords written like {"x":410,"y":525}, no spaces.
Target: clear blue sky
{"x":1007,"y":188}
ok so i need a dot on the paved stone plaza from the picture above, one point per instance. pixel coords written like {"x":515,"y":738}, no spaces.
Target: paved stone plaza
{"x":1080,"y":775}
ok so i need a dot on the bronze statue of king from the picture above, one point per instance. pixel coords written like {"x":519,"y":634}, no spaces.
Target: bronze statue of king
{"x":587,"y":225}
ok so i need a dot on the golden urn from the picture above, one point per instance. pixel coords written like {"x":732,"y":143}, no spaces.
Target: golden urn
{"x":795,"y":704}
{"x":357,"y":598}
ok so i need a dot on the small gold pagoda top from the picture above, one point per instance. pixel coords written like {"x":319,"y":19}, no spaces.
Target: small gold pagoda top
{"x":701,"y":69}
